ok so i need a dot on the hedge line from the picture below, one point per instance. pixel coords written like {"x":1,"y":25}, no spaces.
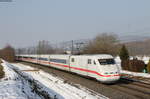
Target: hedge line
{"x":135,"y":65}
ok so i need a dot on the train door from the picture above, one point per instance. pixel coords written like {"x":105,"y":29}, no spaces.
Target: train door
{"x":78,"y":65}
{"x":92,"y":67}
{"x":83,"y":65}
{"x":49,"y":60}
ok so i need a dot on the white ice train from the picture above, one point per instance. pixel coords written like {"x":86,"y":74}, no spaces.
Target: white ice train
{"x":100,"y":66}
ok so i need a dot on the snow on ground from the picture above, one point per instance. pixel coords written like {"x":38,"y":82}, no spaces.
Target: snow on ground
{"x":146,"y":75}
{"x":118,"y":62}
{"x":144,"y":58}
{"x":57,"y":86}
{"x":13,"y":87}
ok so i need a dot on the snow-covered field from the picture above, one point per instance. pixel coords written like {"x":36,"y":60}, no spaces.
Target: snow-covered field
{"x":13,"y":87}
{"x":53,"y":85}
{"x":145,"y":75}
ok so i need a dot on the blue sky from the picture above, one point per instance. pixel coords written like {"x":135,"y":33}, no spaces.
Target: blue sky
{"x":25,"y":22}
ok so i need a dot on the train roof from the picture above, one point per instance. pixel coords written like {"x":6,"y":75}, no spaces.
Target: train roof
{"x":96,"y":55}
{"x":85,"y":55}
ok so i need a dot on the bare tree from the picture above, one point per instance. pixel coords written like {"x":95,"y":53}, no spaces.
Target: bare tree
{"x":8,"y":53}
{"x":44,"y":48}
{"x":102,"y":44}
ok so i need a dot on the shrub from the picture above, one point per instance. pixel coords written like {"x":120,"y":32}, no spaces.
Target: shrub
{"x":133,"y":65}
{"x":125,"y":64}
{"x":137,"y":65}
{"x":8,"y":53}
{"x":148,"y":67}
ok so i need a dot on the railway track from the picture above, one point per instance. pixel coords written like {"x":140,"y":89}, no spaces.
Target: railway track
{"x":133,"y":88}
{"x":123,"y":89}
{"x":136,"y":82}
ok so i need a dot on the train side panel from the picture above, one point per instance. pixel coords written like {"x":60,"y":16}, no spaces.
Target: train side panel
{"x":60,"y":62}
{"x":43,"y":60}
{"x":92,"y":66}
{"x":84,"y":65}
{"x":78,"y":64}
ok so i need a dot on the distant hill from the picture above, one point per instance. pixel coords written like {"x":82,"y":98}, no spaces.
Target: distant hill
{"x":139,"y":47}
{"x":129,"y":37}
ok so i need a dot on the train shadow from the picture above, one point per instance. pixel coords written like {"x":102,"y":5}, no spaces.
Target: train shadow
{"x":122,"y":81}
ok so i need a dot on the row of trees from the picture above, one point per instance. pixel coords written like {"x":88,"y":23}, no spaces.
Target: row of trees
{"x":109,"y":43}
{"x":43,"y":47}
{"x":102,"y":43}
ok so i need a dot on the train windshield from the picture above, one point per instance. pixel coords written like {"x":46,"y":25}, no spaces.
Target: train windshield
{"x":106,"y":61}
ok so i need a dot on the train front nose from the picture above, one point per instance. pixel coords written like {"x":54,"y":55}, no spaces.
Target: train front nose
{"x":110,"y":78}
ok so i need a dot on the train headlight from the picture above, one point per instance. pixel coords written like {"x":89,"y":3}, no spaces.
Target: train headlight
{"x":106,"y":73}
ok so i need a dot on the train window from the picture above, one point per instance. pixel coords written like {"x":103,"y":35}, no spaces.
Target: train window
{"x":25,"y":57}
{"x":72,"y":60}
{"x":89,"y":61}
{"x":94,"y":62}
{"x":33,"y":57}
{"x":45,"y":59}
{"x":19,"y":57}
{"x":106,"y":61}
{"x":58,"y":61}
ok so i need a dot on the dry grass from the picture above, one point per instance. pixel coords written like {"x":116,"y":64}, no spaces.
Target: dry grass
{"x":1,"y":61}
{"x":1,"y":70}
